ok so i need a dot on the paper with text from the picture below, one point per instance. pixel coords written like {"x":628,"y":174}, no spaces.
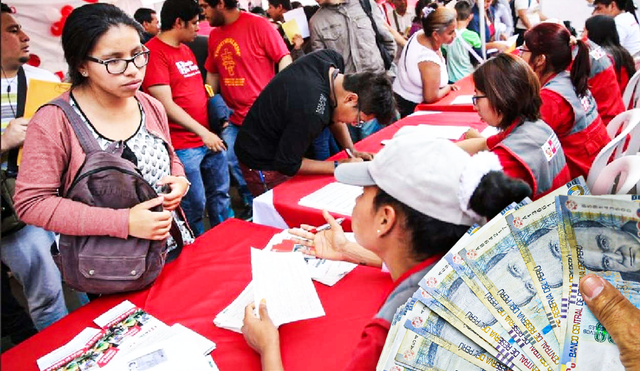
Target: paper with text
{"x":334,"y":197}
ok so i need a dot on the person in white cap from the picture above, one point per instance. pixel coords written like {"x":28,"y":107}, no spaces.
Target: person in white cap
{"x":419,"y":198}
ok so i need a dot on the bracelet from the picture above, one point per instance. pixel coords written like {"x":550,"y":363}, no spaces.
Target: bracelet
{"x":188,"y":184}
{"x":335,"y":164}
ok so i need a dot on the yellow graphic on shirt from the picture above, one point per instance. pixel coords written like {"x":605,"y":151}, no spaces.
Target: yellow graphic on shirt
{"x":227,"y":50}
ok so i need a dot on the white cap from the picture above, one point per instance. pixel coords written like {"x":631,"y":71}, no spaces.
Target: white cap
{"x":426,"y":175}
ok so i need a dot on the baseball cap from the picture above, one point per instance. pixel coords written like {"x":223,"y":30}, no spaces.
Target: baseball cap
{"x":424,"y":174}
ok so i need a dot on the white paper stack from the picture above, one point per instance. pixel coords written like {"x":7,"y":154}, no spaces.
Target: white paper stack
{"x":334,"y":197}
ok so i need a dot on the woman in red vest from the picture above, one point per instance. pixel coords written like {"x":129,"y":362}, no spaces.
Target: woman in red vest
{"x":508,"y":97}
{"x":567,"y":104}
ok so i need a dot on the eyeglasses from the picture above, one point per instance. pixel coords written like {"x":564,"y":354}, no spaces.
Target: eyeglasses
{"x":474,"y":99}
{"x":522,"y":49}
{"x":117,"y":66}
{"x":361,"y":122}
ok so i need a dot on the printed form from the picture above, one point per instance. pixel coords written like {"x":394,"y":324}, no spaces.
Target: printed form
{"x":334,"y":197}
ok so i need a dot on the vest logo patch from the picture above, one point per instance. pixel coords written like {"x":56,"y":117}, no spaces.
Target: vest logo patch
{"x":586,"y":103}
{"x":597,"y":53}
{"x":551,"y":147}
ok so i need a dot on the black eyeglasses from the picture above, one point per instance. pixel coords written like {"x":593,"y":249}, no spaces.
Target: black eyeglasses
{"x":360,"y":122}
{"x":474,"y":99}
{"x":522,"y":49}
{"x":117,"y":66}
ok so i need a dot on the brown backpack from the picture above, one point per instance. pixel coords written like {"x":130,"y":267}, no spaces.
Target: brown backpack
{"x":104,"y":264}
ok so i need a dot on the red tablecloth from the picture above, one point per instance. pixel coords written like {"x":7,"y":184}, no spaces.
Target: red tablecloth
{"x":444,"y":104}
{"x":206,"y":277}
{"x":287,"y":195}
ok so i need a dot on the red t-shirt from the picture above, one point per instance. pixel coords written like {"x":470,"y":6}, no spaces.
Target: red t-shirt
{"x":606,"y":91}
{"x":244,"y":54}
{"x":178,"y":68}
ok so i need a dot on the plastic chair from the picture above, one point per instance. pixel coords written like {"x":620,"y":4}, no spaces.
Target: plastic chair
{"x":624,"y":144}
{"x":632,"y":91}
{"x":628,"y":168}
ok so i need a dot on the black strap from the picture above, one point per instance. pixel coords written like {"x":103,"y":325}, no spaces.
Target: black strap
{"x":395,"y":18}
{"x":87,"y":141}
{"x":177,"y":237}
{"x":12,"y":159}
{"x":366,"y":6}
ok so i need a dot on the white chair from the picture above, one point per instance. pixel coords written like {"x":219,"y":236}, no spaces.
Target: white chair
{"x":632,"y":91}
{"x":628,"y":170}
{"x":624,"y":144}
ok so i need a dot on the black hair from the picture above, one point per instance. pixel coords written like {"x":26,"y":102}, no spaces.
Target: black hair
{"x":375,"y":94}
{"x":624,"y":5}
{"x":602,"y":31}
{"x":310,"y":10}
{"x":184,"y":10}
{"x":497,"y":191}
{"x":6,"y":8}
{"x":286,"y":4}
{"x":420,"y":4}
{"x":84,"y":26}
{"x":431,"y":236}
{"x":463,"y":9}
{"x":296,"y":5}
{"x":259,"y":11}
{"x":143,"y":15}
{"x":228,"y":4}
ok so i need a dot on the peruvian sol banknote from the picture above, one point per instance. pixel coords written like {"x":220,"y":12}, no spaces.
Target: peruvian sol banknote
{"x":604,"y":239}
{"x":535,"y":230}
{"x":495,"y":259}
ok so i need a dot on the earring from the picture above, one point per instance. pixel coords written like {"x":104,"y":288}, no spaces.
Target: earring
{"x":84,"y":73}
{"x":378,"y":231}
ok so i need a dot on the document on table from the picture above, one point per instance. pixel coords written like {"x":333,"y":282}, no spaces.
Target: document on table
{"x":301,"y":20}
{"x":462,"y":99}
{"x":284,"y":281}
{"x":334,"y":197}
{"x":433,"y":131}
{"x":231,"y":317}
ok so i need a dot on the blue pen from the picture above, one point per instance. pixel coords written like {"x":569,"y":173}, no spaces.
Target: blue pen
{"x":262,"y":180}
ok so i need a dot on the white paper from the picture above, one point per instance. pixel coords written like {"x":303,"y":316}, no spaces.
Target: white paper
{"x":334,"y":197}
{"x":283,"y":280}
{"x":301,"y":20}
{"x":423,"y":113}
{"x":462,"y":99}
{"x":433,"y":131}
{"x":231,"y":317}
{"x":490,"y":131}
{"x":70,"y":350}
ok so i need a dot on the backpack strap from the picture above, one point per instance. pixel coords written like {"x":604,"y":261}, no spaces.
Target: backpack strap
{"x":87,"y":141}
{"x":12,"y":159}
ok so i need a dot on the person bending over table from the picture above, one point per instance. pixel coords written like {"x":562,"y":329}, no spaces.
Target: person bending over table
{"x":507,"y":96}
{"x":409,"y":215}
{"x":422,"y":71}
{"x":296,"y":106}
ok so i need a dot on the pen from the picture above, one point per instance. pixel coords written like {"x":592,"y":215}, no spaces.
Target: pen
{"x":349,"y":153}
{"x":326,"y":226}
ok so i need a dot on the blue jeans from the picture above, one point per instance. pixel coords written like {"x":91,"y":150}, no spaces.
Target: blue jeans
{"x":229,"y":135}
{"x":369,"y":127}
{"x":209,"y":176}
{"x":324,"y":146}
{"x":27,"y":252}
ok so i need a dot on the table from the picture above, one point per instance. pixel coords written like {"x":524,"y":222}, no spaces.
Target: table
{"x":207,"y":276}
{"x":466,"y":88}
{"x":279,"y":207}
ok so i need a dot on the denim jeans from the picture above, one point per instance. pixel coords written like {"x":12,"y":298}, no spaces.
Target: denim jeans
{"x":27,"y":252}
{"x":229,"y":135}
{"x":324,"y":146}
{"x":209,"y":176}
{"x":369,"y":127}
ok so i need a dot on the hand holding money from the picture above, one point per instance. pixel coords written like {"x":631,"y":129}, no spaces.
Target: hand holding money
{"x":619,"y":317}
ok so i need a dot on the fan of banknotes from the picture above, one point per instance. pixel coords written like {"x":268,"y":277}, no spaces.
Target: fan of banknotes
{"x":506,"y":296}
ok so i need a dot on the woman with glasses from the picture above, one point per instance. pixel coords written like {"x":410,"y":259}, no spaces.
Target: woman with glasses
{"x":106,"y":67}
{"x":567,"y":103}
{"x":508,"y":97}
{"x":422,"y":71}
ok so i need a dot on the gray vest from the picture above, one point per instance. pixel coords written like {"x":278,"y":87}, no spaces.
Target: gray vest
{"x":585,"y":109}
{"x":538,"y":148}
{"x":402,"y":293}
{"x":598,"y":58}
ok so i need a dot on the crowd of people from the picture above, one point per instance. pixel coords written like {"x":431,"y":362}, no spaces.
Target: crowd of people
{"x":255,"y":108}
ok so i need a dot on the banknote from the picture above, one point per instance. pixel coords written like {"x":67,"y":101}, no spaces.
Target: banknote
{"x":435,"y":330}
{"x":604,"y":239}
{"x":535,"y":230}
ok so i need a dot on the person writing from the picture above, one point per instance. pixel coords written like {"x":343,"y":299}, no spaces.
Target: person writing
{"x":507,"y":96}
{"x":422,"y":71}
{"x":408,"y":216}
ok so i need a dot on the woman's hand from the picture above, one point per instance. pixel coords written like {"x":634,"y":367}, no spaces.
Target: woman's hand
{"x":178,"y":186}
{"x":454,"y":87}
{"x":329,"y":244}
{"x":472,"y":133}
{"x":366,"y":156}
{"x":147,"y":224}
{"x":262,"y":336}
